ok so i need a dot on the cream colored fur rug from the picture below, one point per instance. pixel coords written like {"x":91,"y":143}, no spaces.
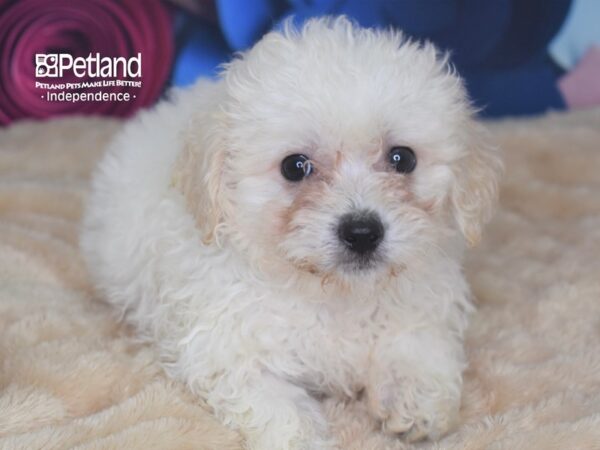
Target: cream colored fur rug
{"x":72,"y":377}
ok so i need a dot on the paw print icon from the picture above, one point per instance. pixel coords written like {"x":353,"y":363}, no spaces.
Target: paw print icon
{"x":46,"y":65}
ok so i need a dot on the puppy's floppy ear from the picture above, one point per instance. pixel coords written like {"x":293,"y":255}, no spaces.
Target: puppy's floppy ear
{"x":198,"y":176}
{"x":476,"y":183}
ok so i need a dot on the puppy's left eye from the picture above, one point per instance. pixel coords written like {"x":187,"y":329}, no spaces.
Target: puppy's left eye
{"x":296,"y":167}
{"x":403,"y":159}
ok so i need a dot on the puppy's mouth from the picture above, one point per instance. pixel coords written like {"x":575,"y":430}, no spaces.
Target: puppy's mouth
{"x":344,"y":263}
{"x":358,"y":264}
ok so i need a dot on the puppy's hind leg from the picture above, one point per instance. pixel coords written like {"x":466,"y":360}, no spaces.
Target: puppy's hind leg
{"x":271,"y":413}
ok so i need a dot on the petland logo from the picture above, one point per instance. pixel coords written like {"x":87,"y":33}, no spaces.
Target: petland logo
{"x":94,"y":66}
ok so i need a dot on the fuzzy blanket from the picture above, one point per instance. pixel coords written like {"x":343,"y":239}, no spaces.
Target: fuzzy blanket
{"x":71,"y":376}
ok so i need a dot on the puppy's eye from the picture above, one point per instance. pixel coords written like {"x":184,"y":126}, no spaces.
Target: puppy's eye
{"x":403,"y":159}
{"x":296,"y":167}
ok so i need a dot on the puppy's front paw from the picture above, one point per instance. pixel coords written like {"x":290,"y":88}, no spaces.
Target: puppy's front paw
{"x":415,"y":407}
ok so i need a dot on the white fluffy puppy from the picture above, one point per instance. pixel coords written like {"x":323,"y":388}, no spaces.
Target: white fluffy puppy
{"x":296,"y":229}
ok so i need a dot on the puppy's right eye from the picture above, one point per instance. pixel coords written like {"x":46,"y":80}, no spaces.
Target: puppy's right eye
{"x":403,"y":159}
{"x":296,"y":167}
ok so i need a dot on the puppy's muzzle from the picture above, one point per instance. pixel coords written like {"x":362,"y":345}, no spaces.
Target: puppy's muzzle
{"x":361,"y":232}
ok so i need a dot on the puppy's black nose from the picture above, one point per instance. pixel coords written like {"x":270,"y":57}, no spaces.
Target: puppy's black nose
{"x":361,"y":232}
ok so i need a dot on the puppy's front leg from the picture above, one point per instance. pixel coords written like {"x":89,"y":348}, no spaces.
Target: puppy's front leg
{"x":271,"y":413}
{"x":414,"y":383}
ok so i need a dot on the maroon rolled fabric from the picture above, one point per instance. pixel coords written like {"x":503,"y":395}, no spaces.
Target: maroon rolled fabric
{"x":80,"y":28}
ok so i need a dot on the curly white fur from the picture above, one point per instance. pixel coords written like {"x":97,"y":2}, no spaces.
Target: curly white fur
{"x":235,"y":273}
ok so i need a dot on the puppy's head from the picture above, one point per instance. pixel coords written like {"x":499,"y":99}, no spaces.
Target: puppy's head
{"x":342,"y":152}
